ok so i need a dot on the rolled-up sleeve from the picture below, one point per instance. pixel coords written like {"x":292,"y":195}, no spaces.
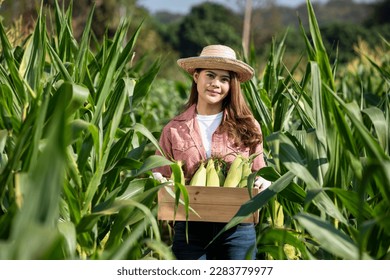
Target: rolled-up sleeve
{"x":259,"y":161}
{"x":166,"y":146}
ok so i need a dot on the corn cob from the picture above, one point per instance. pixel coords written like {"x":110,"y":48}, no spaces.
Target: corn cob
{"x":199,"y":178}
{"x":246,"y":171}
{"x":292,"y":253}
{"x":234,"y":174}
{"x":220,"y":173}
{"x":212,"y":178}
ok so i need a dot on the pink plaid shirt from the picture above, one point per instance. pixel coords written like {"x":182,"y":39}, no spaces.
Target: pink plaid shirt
{"x":181,"y":140}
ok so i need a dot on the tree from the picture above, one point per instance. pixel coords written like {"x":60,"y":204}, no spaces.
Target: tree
{"x":380,"y":14}
{"x":208,"y":23}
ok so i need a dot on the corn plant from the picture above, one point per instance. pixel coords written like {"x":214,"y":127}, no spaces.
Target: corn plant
{"x":74,"y":183}
{"x":327,"y":147}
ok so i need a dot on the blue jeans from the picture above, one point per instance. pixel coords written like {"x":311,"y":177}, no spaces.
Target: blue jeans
{"x":237,"y":243}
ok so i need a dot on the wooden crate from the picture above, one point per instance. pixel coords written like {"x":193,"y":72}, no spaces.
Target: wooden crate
{"x":213,"y":204}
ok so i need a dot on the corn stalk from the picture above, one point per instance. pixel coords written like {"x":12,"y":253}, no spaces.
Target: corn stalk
{"x":331,"y":142}
{"x":74,"y":183}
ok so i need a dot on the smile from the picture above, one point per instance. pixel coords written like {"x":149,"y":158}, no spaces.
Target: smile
{"x":212,"y":92}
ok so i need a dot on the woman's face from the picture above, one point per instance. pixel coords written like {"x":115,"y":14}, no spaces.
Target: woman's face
{"x":213,"y":86}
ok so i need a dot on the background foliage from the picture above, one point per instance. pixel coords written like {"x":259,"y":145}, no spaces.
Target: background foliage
{"x":79,"y":123}
{"x":342,"y":23}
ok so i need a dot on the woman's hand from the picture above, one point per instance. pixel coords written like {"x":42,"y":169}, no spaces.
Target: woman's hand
{"x":262,"y":183}
{"x":159,"y":177}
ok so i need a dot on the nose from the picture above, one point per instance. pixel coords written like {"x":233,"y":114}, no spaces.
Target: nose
{"x":215,"y":83}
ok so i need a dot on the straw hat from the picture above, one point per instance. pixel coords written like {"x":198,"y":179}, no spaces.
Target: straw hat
{"x":217,"y":57}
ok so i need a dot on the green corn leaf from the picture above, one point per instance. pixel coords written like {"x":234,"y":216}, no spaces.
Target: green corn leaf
{"x":152,"y":162}
{"x":379,"y":122}
{"x":14,"y":73}
{"x":258,"y":201}
{"x":331,"y":239}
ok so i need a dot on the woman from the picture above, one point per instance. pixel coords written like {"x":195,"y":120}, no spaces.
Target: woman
{"x":216,"y":123}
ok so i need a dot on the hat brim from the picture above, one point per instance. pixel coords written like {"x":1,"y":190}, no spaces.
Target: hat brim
{"x":243,"y":70}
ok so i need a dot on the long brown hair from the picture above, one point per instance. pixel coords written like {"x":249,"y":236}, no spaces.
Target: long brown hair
{"x":238,"y":122}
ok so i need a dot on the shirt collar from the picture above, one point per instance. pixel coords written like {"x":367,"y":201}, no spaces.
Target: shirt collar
{"x":190,"y":113}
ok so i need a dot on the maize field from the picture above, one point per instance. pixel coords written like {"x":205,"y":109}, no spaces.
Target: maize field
{"x":77,"y":149}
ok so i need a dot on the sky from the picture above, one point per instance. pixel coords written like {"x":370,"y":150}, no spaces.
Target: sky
{"x":184,"y":6}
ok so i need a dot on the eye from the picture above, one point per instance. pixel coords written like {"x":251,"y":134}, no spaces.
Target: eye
{"x":210,"y":75}
{"x":225,"y":80}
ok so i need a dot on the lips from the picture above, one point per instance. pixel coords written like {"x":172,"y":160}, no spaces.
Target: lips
{"x":213,"y":92}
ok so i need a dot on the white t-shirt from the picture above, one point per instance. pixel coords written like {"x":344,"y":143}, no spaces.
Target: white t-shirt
{"x":208,"y":124}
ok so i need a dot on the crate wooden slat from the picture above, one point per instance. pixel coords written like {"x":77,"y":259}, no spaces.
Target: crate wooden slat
{"x":213,"y":204}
